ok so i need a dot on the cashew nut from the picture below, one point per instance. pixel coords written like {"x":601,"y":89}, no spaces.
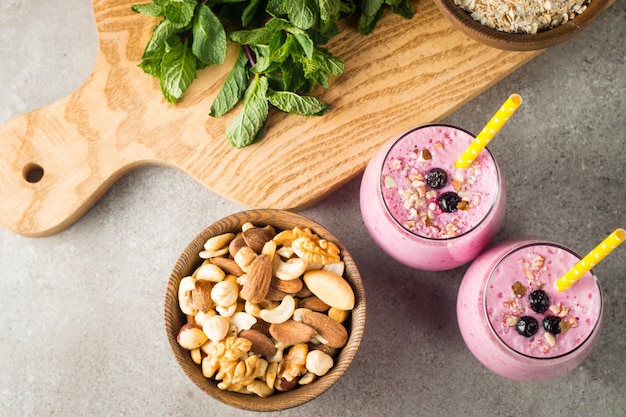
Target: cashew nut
{"x":291,"y":269}
{"x":226,"y":311}
{"x":196,"y":356}
{"x":216,"y":328}
{"x":225,"y":293}
{"x":280,"y":314}
{"x":242,"y":321}
{"x":318,"y":362}
{"x":219,"y":241}
{"x":336,"y":268}
{"x":307,"y":378}
{"x":185,"y":299}
{"x":209,"y":272}
{"x":260,"y":388}
{"x":206,"y":254}
{"x":253,"y":309}
{"x":244,"y":258}
{"x":299,"y":312}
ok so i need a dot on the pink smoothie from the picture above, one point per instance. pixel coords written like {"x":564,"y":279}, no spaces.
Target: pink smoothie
{"x":403,"y":213}
{"x":495,"y":295}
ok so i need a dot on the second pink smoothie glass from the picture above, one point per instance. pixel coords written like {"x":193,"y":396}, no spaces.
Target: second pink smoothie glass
{"x":516,"y":323}
{"x":422,"y":210}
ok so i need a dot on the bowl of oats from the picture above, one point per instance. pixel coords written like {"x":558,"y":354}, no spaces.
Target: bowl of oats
{"x":264,"y":310}
{"x":521,"y":25}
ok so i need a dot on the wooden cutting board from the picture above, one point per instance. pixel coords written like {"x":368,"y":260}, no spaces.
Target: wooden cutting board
{"x":57,"y":161}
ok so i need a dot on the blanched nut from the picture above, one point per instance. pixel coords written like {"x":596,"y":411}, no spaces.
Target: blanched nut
{"x":216,"y":328}
{"x":209,"y":272}
{"x":288,"y":270}
{"x":280,"y":314}
{"x":225,"y":293}
{"x":185,"y":298}
{"x":244,"y":258}
{"x":226,"y":311}
{"x":191,"y":336}
{"x":196,"y":356}
{"x":318,"y":362}
{"x":253,"y":309}
{"x":242,"y":321}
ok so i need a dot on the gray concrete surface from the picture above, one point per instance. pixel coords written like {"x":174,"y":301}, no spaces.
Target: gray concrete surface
{"x":81,"y":328}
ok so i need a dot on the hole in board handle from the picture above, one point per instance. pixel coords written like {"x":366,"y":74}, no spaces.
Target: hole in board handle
{"x":33,"y":173}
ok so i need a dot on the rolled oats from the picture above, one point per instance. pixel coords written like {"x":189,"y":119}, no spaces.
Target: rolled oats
{"x":522,"y":16}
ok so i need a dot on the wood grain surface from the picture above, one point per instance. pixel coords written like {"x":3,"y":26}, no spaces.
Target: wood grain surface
{"x":408,"y":72}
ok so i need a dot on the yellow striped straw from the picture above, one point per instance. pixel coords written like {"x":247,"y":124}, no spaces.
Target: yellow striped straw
{"x":596,"y":255}
{"x":489,"y":131}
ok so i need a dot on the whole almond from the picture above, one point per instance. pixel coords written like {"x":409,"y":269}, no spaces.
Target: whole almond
{"x":275,"y":295}
{"x":256,"y":238}
{"x":334,"y":333}
{"x":314,"y":303}
{"x":201,"y":295}
{"x":261,"y":344}
{"x":291,"y":286}
{"x":228,"y":265}
{"x":257,"y":284}
{"x":292,"y":332}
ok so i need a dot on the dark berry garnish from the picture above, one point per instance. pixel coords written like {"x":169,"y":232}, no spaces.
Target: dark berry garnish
{"x":448,"y":201}
{"x":539,"y":301}
{"x":437,"y":178}
{"x":527,"y":326}
{"x":551,"y":324}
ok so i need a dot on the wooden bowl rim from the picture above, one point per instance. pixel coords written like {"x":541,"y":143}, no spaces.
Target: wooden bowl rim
{"x":461,"y":20}
{"x":174,"y":318}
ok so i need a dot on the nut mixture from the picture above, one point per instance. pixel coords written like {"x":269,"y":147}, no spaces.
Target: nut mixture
{"x":523,"y":16}
{"x":265,"y":310}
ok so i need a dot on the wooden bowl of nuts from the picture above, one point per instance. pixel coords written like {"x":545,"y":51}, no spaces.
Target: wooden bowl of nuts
{"x":523,"y":25}
{"x":265,"y":310}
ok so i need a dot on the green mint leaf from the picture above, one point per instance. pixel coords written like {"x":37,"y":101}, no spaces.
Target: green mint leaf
{"x":209,"y":37}
{"x":371,"y":12}
{"x":148,"y":9}
{"x":180,"y":12}
{"x":401,"y":7}
{"x":245,"y":127}
{"x":301,"y":14}
{"x":293,"y":103}
{"x":280,"y":46}
{"x":329,"y":11}
{"x":178,"y":70}
{"x":233,"y":87}
{"x":306,"y":44}
{"x":160,"y":34}
{"x":293,"y":76}
{"x":322,"y":66}
{"x":250,"y":11}
{"x":277,"y":8}
{"x":261,"y":36}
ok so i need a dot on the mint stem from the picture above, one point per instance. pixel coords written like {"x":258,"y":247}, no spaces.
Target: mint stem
{"x":248,"y":51}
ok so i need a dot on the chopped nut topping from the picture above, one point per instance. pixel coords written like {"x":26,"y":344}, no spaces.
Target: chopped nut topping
{"x":518,"y":289}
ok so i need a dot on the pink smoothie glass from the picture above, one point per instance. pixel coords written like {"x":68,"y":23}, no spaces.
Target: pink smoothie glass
{"x":408,"y":218}
{"x":516,"y":323}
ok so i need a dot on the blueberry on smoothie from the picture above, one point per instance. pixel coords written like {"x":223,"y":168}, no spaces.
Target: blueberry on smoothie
{"x":551,"y":324}
{"x":448,"y":201}
{"x":436,"y":178}
{"x":539,"y":301}
{"x":527,"y":326}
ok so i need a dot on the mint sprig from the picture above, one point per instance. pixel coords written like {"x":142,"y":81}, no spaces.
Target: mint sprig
{"x":281,"y":58}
